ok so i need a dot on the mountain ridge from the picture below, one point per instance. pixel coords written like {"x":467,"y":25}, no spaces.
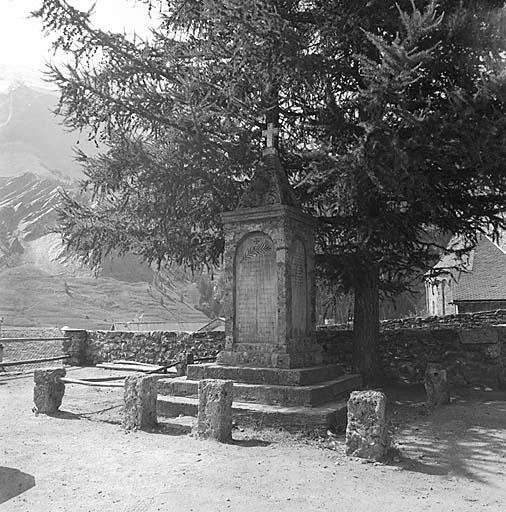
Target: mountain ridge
{"x":40,"y":283}
{"x":33,"y":139}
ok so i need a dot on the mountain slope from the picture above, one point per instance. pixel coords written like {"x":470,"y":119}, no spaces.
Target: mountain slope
{"x":31,"y":297}
{"x":32,"y":138}
{"x":40,"y":285}
{"x":26,"y":213}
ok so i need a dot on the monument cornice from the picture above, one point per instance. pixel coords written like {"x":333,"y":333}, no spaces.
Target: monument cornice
{"x":260,"y":213}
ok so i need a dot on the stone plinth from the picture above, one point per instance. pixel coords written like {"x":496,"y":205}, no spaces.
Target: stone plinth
{"x":436,"y":386}
{"x":140,"y":393}
{"x":269,"y":288}
{"x":48,"y":390}
{"x":214,"y":417}
{"x":366,"y":432}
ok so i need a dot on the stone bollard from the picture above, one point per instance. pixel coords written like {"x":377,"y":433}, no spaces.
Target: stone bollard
{"x":1,"y":352}
{"x":366,"y":431}
{"x":182,"y":366}
{"x":140,"y":393}
{"x":214,"y":419}
{"x":49,"y":390}
{"x":436,"y":386}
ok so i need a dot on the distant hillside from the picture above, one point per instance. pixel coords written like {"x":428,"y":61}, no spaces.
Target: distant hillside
{"x":32,"y":138}
{"x":41,"y":285}
{"x":30,"y":297}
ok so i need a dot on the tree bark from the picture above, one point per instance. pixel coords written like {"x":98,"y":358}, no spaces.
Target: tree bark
{"x":366,"y":325}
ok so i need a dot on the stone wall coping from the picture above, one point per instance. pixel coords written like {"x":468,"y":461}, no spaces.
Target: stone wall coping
{"x":267,"y":212}
{"x":151,"y":333}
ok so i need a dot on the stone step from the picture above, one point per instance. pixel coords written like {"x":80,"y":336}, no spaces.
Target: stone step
{"x":309,"y":396}
{"x":274,"y":376}
{"x":178,"y":386}
{"x":331,"y":415}
{"x":176,"y":426}
{"x":293,"y":396}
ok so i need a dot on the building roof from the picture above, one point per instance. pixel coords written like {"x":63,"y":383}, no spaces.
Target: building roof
{"x":455,"y":260}
{"x":485,"y":278}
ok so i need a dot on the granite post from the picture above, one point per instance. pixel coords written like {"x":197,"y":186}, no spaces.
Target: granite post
{"x":214,"y":419}
{"x":366,"y":432}
{"x":140,"y":393}
{"x":48,"y":390}
{"x":436,"y":385}
{"x":182,"y":366}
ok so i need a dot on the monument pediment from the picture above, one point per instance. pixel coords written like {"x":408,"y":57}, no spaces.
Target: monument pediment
{"x":269,"y":185}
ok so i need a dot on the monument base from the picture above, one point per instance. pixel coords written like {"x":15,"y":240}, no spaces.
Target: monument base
{"x":264,"y":355}
{"x":297,"y":399}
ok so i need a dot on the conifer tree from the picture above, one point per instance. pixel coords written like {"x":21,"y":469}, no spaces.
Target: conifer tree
{"x":392,"y":121}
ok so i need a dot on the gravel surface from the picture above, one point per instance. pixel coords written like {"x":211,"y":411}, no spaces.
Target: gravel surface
{"x":81,"y":460}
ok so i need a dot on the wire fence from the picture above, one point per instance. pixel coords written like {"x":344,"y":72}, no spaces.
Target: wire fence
{"x":32,"y":349}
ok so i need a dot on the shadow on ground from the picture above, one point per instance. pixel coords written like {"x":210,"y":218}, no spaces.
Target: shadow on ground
{"x":250,"y":443}
{"x":64,"y":415}
{"x":465,"y":438}
{"x":172,"y":428}
{"x":14,"y":482}
{"x":168,"y":429}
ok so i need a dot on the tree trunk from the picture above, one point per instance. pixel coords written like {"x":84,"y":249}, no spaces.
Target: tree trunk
{"x":366,"y":325}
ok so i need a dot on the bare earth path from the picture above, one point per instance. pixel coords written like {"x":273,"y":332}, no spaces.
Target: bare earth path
{"x":80,"y":460}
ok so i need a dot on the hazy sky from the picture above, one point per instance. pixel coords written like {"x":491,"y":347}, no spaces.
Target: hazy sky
{"x":23,"y":48}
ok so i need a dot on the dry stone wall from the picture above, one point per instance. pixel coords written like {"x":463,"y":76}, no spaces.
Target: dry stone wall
{"x":463,"y":321}
{"x":472,"y":357}
{"x":149,"y":347}
{"x":472,"y":349}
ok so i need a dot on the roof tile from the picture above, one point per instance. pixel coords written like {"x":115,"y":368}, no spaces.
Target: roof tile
{"x":487,"y":279}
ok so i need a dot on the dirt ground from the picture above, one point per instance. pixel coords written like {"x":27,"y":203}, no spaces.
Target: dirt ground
{"x":81,"y":460}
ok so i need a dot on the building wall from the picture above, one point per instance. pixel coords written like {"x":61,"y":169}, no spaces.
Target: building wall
{"x":439,"y":293}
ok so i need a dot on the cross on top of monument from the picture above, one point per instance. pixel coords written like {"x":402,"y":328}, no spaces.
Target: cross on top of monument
{"x":269,"y":184}
{"x":271,"y":138}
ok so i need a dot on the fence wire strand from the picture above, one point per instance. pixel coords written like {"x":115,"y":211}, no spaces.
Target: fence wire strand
{"x":31,"y":347}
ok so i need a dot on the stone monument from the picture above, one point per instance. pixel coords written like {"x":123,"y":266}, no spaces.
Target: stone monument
{"x":270,"y":353}
{"x":269,"y":274}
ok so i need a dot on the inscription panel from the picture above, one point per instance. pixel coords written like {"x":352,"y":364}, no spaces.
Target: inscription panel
{"x":256,"y":290}
{"x":298,"y":283}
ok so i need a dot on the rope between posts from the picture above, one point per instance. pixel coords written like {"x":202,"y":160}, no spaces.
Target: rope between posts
{"x":66,"y":380}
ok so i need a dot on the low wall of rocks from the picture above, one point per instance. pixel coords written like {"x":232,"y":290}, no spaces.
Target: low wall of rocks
{"x":146,"y":347}
{"x":472,"y":357}
{"x":462,"y":321}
